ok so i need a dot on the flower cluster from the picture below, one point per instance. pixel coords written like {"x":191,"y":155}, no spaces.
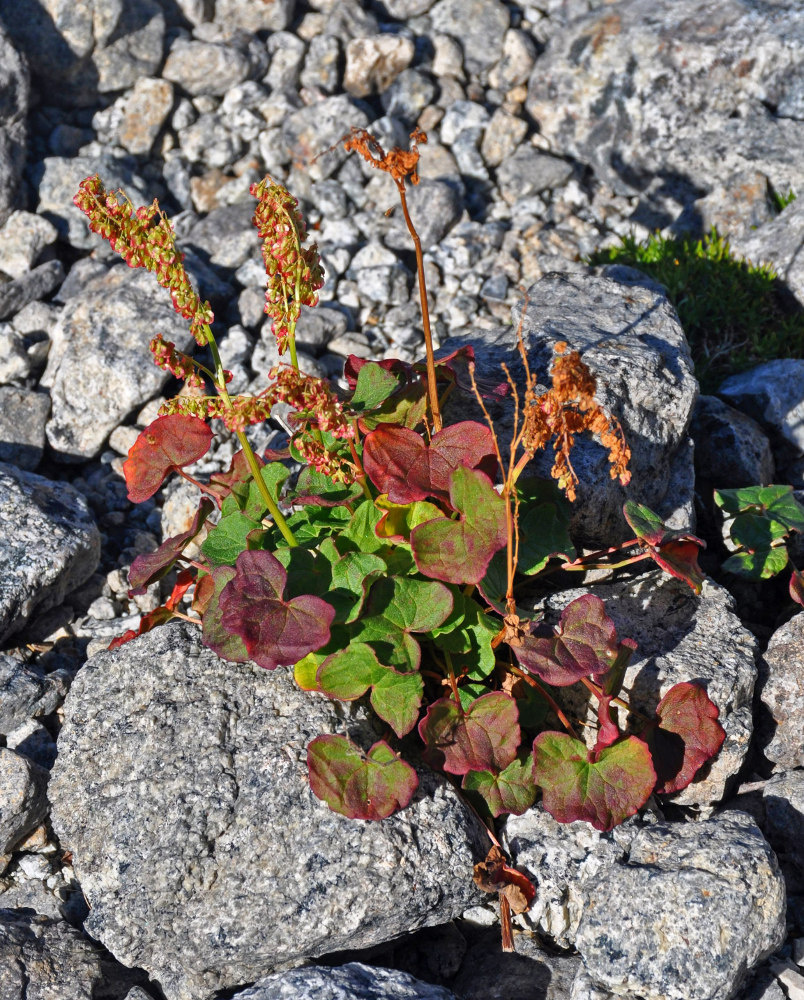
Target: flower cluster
{"x":179,"y":365}
{"x":141,"y":243}
{"x":311,"y":398}
{"x":236,"y":415}
{"x":294,"y":273}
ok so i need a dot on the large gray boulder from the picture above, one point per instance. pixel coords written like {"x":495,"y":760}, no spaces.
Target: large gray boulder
{"x":181,"y":789}
{"x":782,"y":694}
{"x":678,"y":99}
{"x":15,"y":95}
{"x":630,"y":338}
{"x":49,"y":545}
{"x":780,"y":243}
{"x":353,"y":981}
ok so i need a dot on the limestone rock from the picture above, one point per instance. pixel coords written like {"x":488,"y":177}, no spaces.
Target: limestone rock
{"x":773,"y":394}
{"x":146,"y":109}
{"x":254,"y":17}
{"x":181,"y":789}
{"x":372,"y":64}
{"x":23,"y":802}
{"x":200,"y":67}
{"x":354,"y":981}
{"x":15,"y":93}
{"x":731,"y":449}
{"x":782,"y":694}
{"x":23,"y":415}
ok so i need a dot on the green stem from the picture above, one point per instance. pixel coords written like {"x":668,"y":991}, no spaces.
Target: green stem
{"x":578,"y":567}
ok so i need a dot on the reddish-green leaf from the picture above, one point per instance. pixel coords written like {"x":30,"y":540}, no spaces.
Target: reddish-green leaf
{"x":604,"y":789}
{"x":460,"y":551}
{"x":584,"y":644}
{"x":167,"y":443}
{"x":213,"y":634}
{"x":513,"y":790}
{"x":160,"y":615}
{"x":276,"y":632}
{"x":687,"y":735}
{"x":151,"y":566}
{"x":796,"y":587}
{"x":483,"y":738}
{"x":359,"y":785}
{"x":675,"y":551}
{"x":402,"y":465}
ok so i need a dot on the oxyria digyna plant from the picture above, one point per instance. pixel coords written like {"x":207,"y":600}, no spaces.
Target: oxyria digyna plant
{"x":388,"y":566}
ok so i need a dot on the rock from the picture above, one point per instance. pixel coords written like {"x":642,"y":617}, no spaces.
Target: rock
{"x":22,"y":239}
{"x":287,"y":56}
{"x":312,"y":131}
{"x":731,"y":449}
{"x":251,"y":17}
{"x":780,"y":243}
{"x":518,"y":57}
{"x":479,"y":25}
{"x":435,"y":207}
{"x":15,"y":94}
{"x":30,"y":287}
{"x":100,"y":368}
{"x":49,"y":545}
{"x":147,"y":108}
{"x":696,"y":906}
{"x":57,"y":180}
{"x":34,"y":741}
{"x":407,"y":97}
{"x":345,"y":982}
{"x":528,"y":172}
{"x":26,"y":692}
{"x":321,"y":65}
{"x":782,"y":694}
{"x":42,"y":957}
{"x":23,"y":801}
{"x":680,"y":637}
{"x":205,"y":67}
{"x":773,"y":394}
{"x":783,"y":823}
{"x":632,"y":341}
{"x":87,"y":46}
{"x":502,"y":136}
{"x":668,"y":101}
{"x":15,"y":365}
{"x":23,"y":415}
{"x":372,"y":64}
{"x":230,"y":817}
{"x":227,"y":238}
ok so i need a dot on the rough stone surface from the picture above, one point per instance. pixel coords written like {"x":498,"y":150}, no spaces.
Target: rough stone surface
{"x":46,"y":959}
{"x":49,"y":545}
{"x":680,"y":637}
{"x":22,"y":239}
{"x":696,"y":905}
{"x":372,"y":64}
{"x":479,"y":25}
{"x":314,"y":130}
{"x":15,"y":95}
{"x":779,"y":242}
{"x":36,"y":284}
{"x":528,"y":172}
{"x":26,"y":692}
{"x":210,"y":68}
{"x":146,"y":110}
{"x":23,"y":802}
{"x":100,"y":368}
{"x":773,"y":394}
{"x":669,"y":100}
{"x":23,"y":415}
{"x":354,"y":981}
{"x":731,"y":450}
{"x":782,"y":694}
{"x":252,"y":17}
{"x":783,"y":823}
{"x":631,"y":339}
{"x":227,"y":867}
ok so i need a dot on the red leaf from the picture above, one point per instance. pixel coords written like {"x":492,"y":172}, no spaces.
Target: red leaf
{"x":152,"y":566}
{"x":679,"y":557}
{"x":687,"y":735}
{"x":160,"y":615}
{"x":483,"y":738}
{"x":276,"y":632}
{"x":239,"y":471}
{"x":402,"y":465}
{"x":168,"y":443}
{"x":797,"y":587}
{"x":585,"y":644}
{"x":609,"y":731}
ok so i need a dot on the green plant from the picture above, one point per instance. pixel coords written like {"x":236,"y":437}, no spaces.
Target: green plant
{"x":780,"y":201}
{"x":731,"y":310}
{"x":389,"y":567}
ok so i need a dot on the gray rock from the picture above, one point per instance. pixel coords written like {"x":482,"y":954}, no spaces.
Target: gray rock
{"x":251,"y":17}
{"x":354,"y":981}
{"x":680,"y":637}
{"x":518,"y":57}
{"x":782,"y":694}
{"x":665,"y":100}
{"x":461,"y":117}
{"x":15,"y":92}
{"x":435,"y":207}
{"x":210,"y":140}
{"x":779,"y":242}
{"x":696,"y":906}
{"x":57,"y":183}
{"x":287,"y":56}
{"x":312,"y":131}
{"x":232,"y":818}
{"x":502,"y":136}
{"x":49,"y":545}
{"x":773,"y":394}
{"x":30,"y":287}
{"x":100,"y":368}
{"x":410,"y":93}
{"x":400,"y":10}
{"x":15,"y":365}
{"x":34,"y":741}
{"x":731,"y":449}
{"x":22,"y":239}
{"x":26,"y":692}
{"x":226,"y":237}
{"x":205,"y":67}
{"x":528,"y":172}
{"x":23,"y":414}
{"x":373,"y":63}
{"x":632,"y":341}
{"x":23,"y":799}
{"x":322,"y":64}
{"x":45,"y":959}
{"x":87,"y":46}
{"x":783,"y":823}
{"x":147,"y":108}
{"x":479,"y":25}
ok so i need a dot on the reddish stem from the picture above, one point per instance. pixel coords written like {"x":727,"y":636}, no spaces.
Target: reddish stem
{"x":547,"y":697}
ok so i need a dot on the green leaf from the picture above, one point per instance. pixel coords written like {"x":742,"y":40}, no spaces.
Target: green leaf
{"x":646,"y":523}
{"x":513,"y":790}
{"x":603,"y":789}
{"x":399,"y":519}
{"x":756,"y":532}
{"x":352,"y":576}
{"x":246,"y":496}
{"x":485,"y":737}
{"x":544,"y":519}
{"x":306,"y":670}
{"x":686,"y":736}
{"x":374,"y":385}
{"x":314,"y":487}
{"x":360,"y":529}
{"x":359,"y":785}
{"x":757,"y":565}
{"x":213,"y":634}
{"x":777,"y":502}
{"x":228,"y":538}
{"x":675,"y":551}
{"x":469,"y":637}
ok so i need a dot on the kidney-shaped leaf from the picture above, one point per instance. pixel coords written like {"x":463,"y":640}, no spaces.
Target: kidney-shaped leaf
{"x":585,"y":644}
{"x":359,"y":785}
{"x":402,"y":465}
{"x":604,"y":789}
{"x":513,"y":790}
{"x":675,"y":551}
{"x":460,"y":551}
{"x":485,"y":737}
{"x":168,"y":443}
{"x":687,"y":735}
{"x":276,"y":632}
